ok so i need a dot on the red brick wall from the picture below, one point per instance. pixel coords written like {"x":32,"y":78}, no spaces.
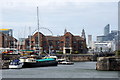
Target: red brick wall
{"x":57,"y":43}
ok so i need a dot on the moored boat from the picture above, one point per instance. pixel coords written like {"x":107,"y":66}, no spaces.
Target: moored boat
{"x":48,"y":56}
{"x":66,"y":63}
{"x":31,"y":62}
{"x":15,"y":64}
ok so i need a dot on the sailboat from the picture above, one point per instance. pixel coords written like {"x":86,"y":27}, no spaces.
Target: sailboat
{"x":32,"y":61}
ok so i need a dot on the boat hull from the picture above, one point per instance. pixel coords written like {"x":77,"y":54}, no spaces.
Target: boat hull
{"x":15,"y":66}
{"x":66,"y":63}
{"x":40,"y":64}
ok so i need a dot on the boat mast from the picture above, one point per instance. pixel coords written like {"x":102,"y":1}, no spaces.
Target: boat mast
{"x":38,"y":30}
{"x":30,"y":38}
{"x":18,"y":41}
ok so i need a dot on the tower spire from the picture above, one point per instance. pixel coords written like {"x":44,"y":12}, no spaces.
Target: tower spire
{"x":65,"y":31}
{"x":83,"y":34}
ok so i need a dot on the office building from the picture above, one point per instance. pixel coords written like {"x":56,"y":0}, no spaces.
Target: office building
{"x":106,"y":30}
{"x":89,"y":41}
{"x":8,"y":32}
{"x":107,"y":46}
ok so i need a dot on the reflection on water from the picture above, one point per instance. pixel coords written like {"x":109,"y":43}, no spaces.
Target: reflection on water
{"x":78,"y":70}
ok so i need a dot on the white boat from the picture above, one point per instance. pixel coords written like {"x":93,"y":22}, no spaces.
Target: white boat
{"x":66,"y":63}
{"x":15,"y":64}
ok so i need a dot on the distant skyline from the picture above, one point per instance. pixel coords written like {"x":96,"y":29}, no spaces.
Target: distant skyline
{"x":56,"y":15}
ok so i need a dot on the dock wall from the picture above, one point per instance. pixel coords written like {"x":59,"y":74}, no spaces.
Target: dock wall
{"x":108,"y":63}
{"x":76,"y":57}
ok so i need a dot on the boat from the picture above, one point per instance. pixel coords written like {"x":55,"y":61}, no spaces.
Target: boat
{"x":15,"y":64}
{"x":66,"y":63}
{"x":40,"y":63}
{"x":49,"y":56}
{"x":61,"y":60}
{"x":8,"y":51}
{"x":33,"y":61}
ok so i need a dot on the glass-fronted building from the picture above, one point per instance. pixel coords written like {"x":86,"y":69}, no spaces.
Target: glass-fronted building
{"x":8,"y":32}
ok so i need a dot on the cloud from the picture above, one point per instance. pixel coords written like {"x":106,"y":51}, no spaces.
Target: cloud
{"x":58,"y":14}
{"x":15,"y":3}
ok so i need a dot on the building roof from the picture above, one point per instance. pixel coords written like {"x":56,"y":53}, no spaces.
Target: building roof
{"x":59,"y":37}
{"x":68,"y":33}
{"x":37,"y":33}
{"x":8,"y":37}
{"x":4,"y":29}
{"x":53,"y":37}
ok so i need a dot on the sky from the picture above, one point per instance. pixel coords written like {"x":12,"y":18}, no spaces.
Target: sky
{"x":56,"y":15}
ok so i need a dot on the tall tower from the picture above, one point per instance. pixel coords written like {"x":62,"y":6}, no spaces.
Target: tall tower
{"x":84,"y":44}
{"x":83,"y":34}
{"x":65,"y":31}
{"x":107,"y":29}
{"x":90,"y":40}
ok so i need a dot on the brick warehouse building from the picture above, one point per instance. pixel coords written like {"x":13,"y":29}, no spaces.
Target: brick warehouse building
{"x":7,"y":41}
{"x":68,"y":43}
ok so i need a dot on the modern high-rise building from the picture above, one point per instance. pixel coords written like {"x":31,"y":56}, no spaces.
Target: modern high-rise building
{"x":112,"y":37}
{"x":101,"y":38}
{"x":107,"y":29}
{"x":83,"y":34}
{"x":89,"y":41}
{"x":8,"y":32}
{"x":108,"y":36}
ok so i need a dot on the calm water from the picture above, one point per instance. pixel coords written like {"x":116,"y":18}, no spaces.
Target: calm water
{"x":78,"y":70}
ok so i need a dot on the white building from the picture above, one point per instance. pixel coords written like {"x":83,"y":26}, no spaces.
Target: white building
{"x":107,"y":46}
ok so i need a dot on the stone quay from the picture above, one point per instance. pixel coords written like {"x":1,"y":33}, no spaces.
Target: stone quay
{"x":108,"y":64}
